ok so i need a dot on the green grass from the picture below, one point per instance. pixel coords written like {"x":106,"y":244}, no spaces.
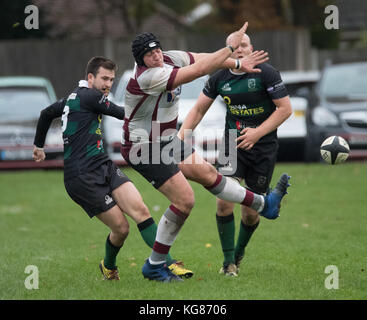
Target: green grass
{"x":323,"y":222}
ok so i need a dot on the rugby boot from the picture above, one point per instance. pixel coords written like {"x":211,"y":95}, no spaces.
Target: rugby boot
{"x":274,"y":198}
{"x":177,"y":268}
{"x":159,"y":272}
{"x":229,"y":270}
{"x":109,"y":274}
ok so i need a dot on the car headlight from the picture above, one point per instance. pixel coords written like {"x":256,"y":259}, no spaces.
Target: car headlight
{"x":324,"y":117}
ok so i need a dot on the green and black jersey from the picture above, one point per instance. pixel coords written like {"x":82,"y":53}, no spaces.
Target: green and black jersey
{"x":248,"y":96}
{"x":81,"y":114}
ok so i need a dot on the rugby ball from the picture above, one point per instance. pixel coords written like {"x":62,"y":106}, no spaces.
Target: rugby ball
{"x":334,"y":150}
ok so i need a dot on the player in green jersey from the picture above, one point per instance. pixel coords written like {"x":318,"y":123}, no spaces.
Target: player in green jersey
{"x":91,"y":179}
{"x":257,"y":103}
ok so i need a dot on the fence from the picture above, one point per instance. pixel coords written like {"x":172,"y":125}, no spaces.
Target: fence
{"x":64,"y":61}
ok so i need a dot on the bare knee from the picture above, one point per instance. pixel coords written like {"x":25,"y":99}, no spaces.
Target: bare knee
{"x":224,"y":208}
{"x":208,"y":175}
{"x":142,"y":212}
{"x":203,"y":173}
{"x":249,"y":216}
{"x":185,"y":202}
{"x":121,"y":230}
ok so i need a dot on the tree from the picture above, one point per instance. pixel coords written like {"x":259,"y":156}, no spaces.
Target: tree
{"x":231,"y":14}
{"x":116,"y":18}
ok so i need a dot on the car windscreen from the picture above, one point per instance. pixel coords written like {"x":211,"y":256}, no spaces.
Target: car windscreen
{"x":192,"y":89}
{"x":22,"y":103}
{"x":300,"y":89}
{"x":345,"y":81}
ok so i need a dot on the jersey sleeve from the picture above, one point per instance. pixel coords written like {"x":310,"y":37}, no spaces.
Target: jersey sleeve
{"x":97,"y":102}
{"x":210,"y":88}
{"x":154,"y":81}
{"x":47,"y":115}
{"x":115,"y":111}
{"x":178,"y":58}
{"x":274,"y":84}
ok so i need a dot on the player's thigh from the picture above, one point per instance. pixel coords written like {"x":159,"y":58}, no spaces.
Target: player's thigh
{"x":115,"y":220}
{"x":178,"y":190}
{"x":130,"y":201}
{"x":195,"y":168}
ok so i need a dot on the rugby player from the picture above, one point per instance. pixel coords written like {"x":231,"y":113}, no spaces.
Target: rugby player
{"x":257,"y":104}
{"x":149,"y":138}
{"x":91,"y":179}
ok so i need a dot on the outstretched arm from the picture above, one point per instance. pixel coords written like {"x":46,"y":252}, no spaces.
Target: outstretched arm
{"x":246,"y":64}
{"x":210,"y":62}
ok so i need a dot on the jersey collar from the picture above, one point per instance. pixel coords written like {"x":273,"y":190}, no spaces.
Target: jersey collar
{"x":83,"y":83}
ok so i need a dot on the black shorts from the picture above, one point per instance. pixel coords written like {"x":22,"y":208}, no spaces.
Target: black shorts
{"x":93,"y":190}
{"x":255,"y":166}
{"x":161,"y":160}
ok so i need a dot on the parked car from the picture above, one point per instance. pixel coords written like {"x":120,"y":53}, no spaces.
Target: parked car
{"x":293,"y":133}
{"x":206,"y":137}
{"x":21,"y":100}
{"x":339,"y":107}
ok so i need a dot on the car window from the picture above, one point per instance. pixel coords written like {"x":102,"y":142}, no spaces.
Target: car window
{"x":345,"y":82}
{"x":300,"y":89}
{"x":192,"y":89}
{"x":22,"y":103}
{"x":119,"y":89}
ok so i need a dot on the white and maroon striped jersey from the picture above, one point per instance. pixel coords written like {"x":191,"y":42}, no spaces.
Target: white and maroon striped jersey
{"x":151,"y":104}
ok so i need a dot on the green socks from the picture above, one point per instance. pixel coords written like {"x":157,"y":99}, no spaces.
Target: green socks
{"x":226,"y":232}
{"x":111,"y":253}
{"x":148,"y":231}
{"x":244,"y":237}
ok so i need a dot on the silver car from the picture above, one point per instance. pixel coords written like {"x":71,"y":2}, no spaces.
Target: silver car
{"x":21,"y":100}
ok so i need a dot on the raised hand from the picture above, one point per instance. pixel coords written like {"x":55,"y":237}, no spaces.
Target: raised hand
{"x":236,"y":37}
{"x":249,"y":62}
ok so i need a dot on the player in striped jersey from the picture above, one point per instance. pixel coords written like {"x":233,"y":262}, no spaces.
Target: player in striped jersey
{"x":152,"y":148}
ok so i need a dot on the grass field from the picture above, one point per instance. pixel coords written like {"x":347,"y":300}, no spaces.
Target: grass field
{"x":323,"y":222}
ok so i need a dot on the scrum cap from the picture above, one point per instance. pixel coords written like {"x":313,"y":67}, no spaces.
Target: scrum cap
{"x":142,"y":44}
